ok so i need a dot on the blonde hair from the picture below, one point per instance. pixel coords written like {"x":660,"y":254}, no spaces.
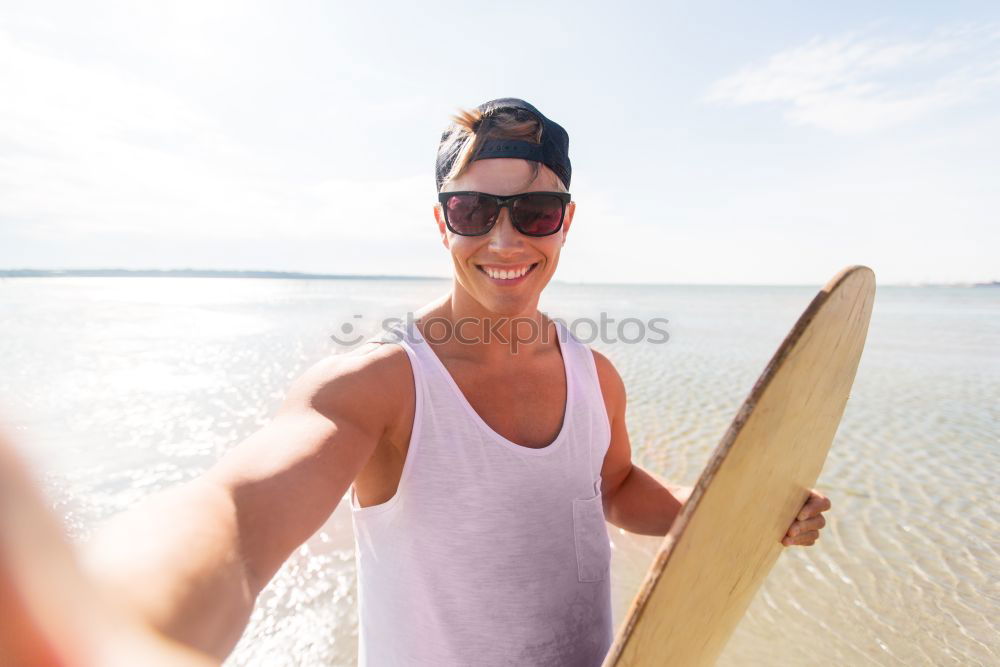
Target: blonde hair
{"x":470,"y":129}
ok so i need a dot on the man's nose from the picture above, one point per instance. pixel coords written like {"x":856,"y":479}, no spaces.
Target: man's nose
{"x":503,"y":235}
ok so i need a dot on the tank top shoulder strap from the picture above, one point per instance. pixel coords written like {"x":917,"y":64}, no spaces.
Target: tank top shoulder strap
{"x":580,"y":355}
{"x":592,"y":416}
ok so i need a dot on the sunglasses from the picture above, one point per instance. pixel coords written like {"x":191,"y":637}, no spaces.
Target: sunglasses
{"x":531,"y":213}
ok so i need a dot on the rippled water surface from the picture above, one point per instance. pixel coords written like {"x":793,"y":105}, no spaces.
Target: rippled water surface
{"x":122,"y":386}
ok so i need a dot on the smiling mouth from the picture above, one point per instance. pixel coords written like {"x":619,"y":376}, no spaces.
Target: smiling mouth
{"x":507,"y":275}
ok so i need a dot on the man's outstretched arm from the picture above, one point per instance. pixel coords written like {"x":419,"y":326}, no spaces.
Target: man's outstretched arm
{"x":191,"y":560}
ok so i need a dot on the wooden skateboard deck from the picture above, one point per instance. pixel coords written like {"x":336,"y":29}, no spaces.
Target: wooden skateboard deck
{"x":728,"y":535}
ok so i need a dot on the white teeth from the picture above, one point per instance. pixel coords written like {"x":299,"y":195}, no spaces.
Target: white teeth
{"x":505,"y":274}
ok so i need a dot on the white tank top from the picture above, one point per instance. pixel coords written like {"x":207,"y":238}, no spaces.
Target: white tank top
{"x":489,"y":553}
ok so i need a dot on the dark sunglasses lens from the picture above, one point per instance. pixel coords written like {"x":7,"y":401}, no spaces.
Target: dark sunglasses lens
{"x":470,"y":214}
{"x":538,"y":215}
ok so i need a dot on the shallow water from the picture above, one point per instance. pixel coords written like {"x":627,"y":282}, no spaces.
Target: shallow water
{"x":122,"y":386}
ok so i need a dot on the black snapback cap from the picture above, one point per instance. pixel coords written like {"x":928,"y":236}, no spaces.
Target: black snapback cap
{"x":553,"y":152}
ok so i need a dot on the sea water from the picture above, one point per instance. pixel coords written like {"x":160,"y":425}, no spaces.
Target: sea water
{"x":118,"y":387}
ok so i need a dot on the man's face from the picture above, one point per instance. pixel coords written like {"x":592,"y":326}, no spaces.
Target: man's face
{"x":504,"y":248}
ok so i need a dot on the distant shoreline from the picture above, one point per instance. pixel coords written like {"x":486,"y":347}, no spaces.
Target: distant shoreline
{"x":293,"y":275}
{"x":195,"y":273}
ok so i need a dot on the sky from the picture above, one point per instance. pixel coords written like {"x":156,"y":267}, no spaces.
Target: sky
{"x":711,"y":142}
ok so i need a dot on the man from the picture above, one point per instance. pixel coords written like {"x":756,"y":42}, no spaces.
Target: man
{"x":485,"y":444}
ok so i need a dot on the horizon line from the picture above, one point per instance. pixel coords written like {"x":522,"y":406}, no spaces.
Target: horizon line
{"x":297,"y":275}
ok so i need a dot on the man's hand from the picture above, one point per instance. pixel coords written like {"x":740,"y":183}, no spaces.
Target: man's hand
{"x":804,"y":531}
{"x":51,"y":613}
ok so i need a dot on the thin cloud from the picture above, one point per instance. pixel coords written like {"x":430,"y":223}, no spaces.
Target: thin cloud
{"x":851,"y":84}
{"x":89,"y":149}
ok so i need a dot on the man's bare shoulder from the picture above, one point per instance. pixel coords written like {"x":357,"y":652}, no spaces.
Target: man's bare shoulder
{"x":374,"y":379}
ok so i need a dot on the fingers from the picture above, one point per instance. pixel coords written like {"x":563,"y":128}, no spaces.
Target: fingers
{"x":815,"y":503}
{"x":799,"y":527}
{"x":804,"y":531}
{"x":43,"y":606}
{"x":805,"y":539}
{"x":50,"y":613}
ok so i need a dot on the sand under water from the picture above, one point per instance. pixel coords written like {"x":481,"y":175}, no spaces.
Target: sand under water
{"x":118,"y":387}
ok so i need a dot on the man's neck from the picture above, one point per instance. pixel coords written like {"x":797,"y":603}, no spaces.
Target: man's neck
{"x":458,"y":325}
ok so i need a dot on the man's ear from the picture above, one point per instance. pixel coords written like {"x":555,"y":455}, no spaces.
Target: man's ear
{"x":568,"y":219}
{"x":442,"y":228}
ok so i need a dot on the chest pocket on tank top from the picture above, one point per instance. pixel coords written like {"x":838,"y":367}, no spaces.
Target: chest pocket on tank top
{"x":593,"y":548}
